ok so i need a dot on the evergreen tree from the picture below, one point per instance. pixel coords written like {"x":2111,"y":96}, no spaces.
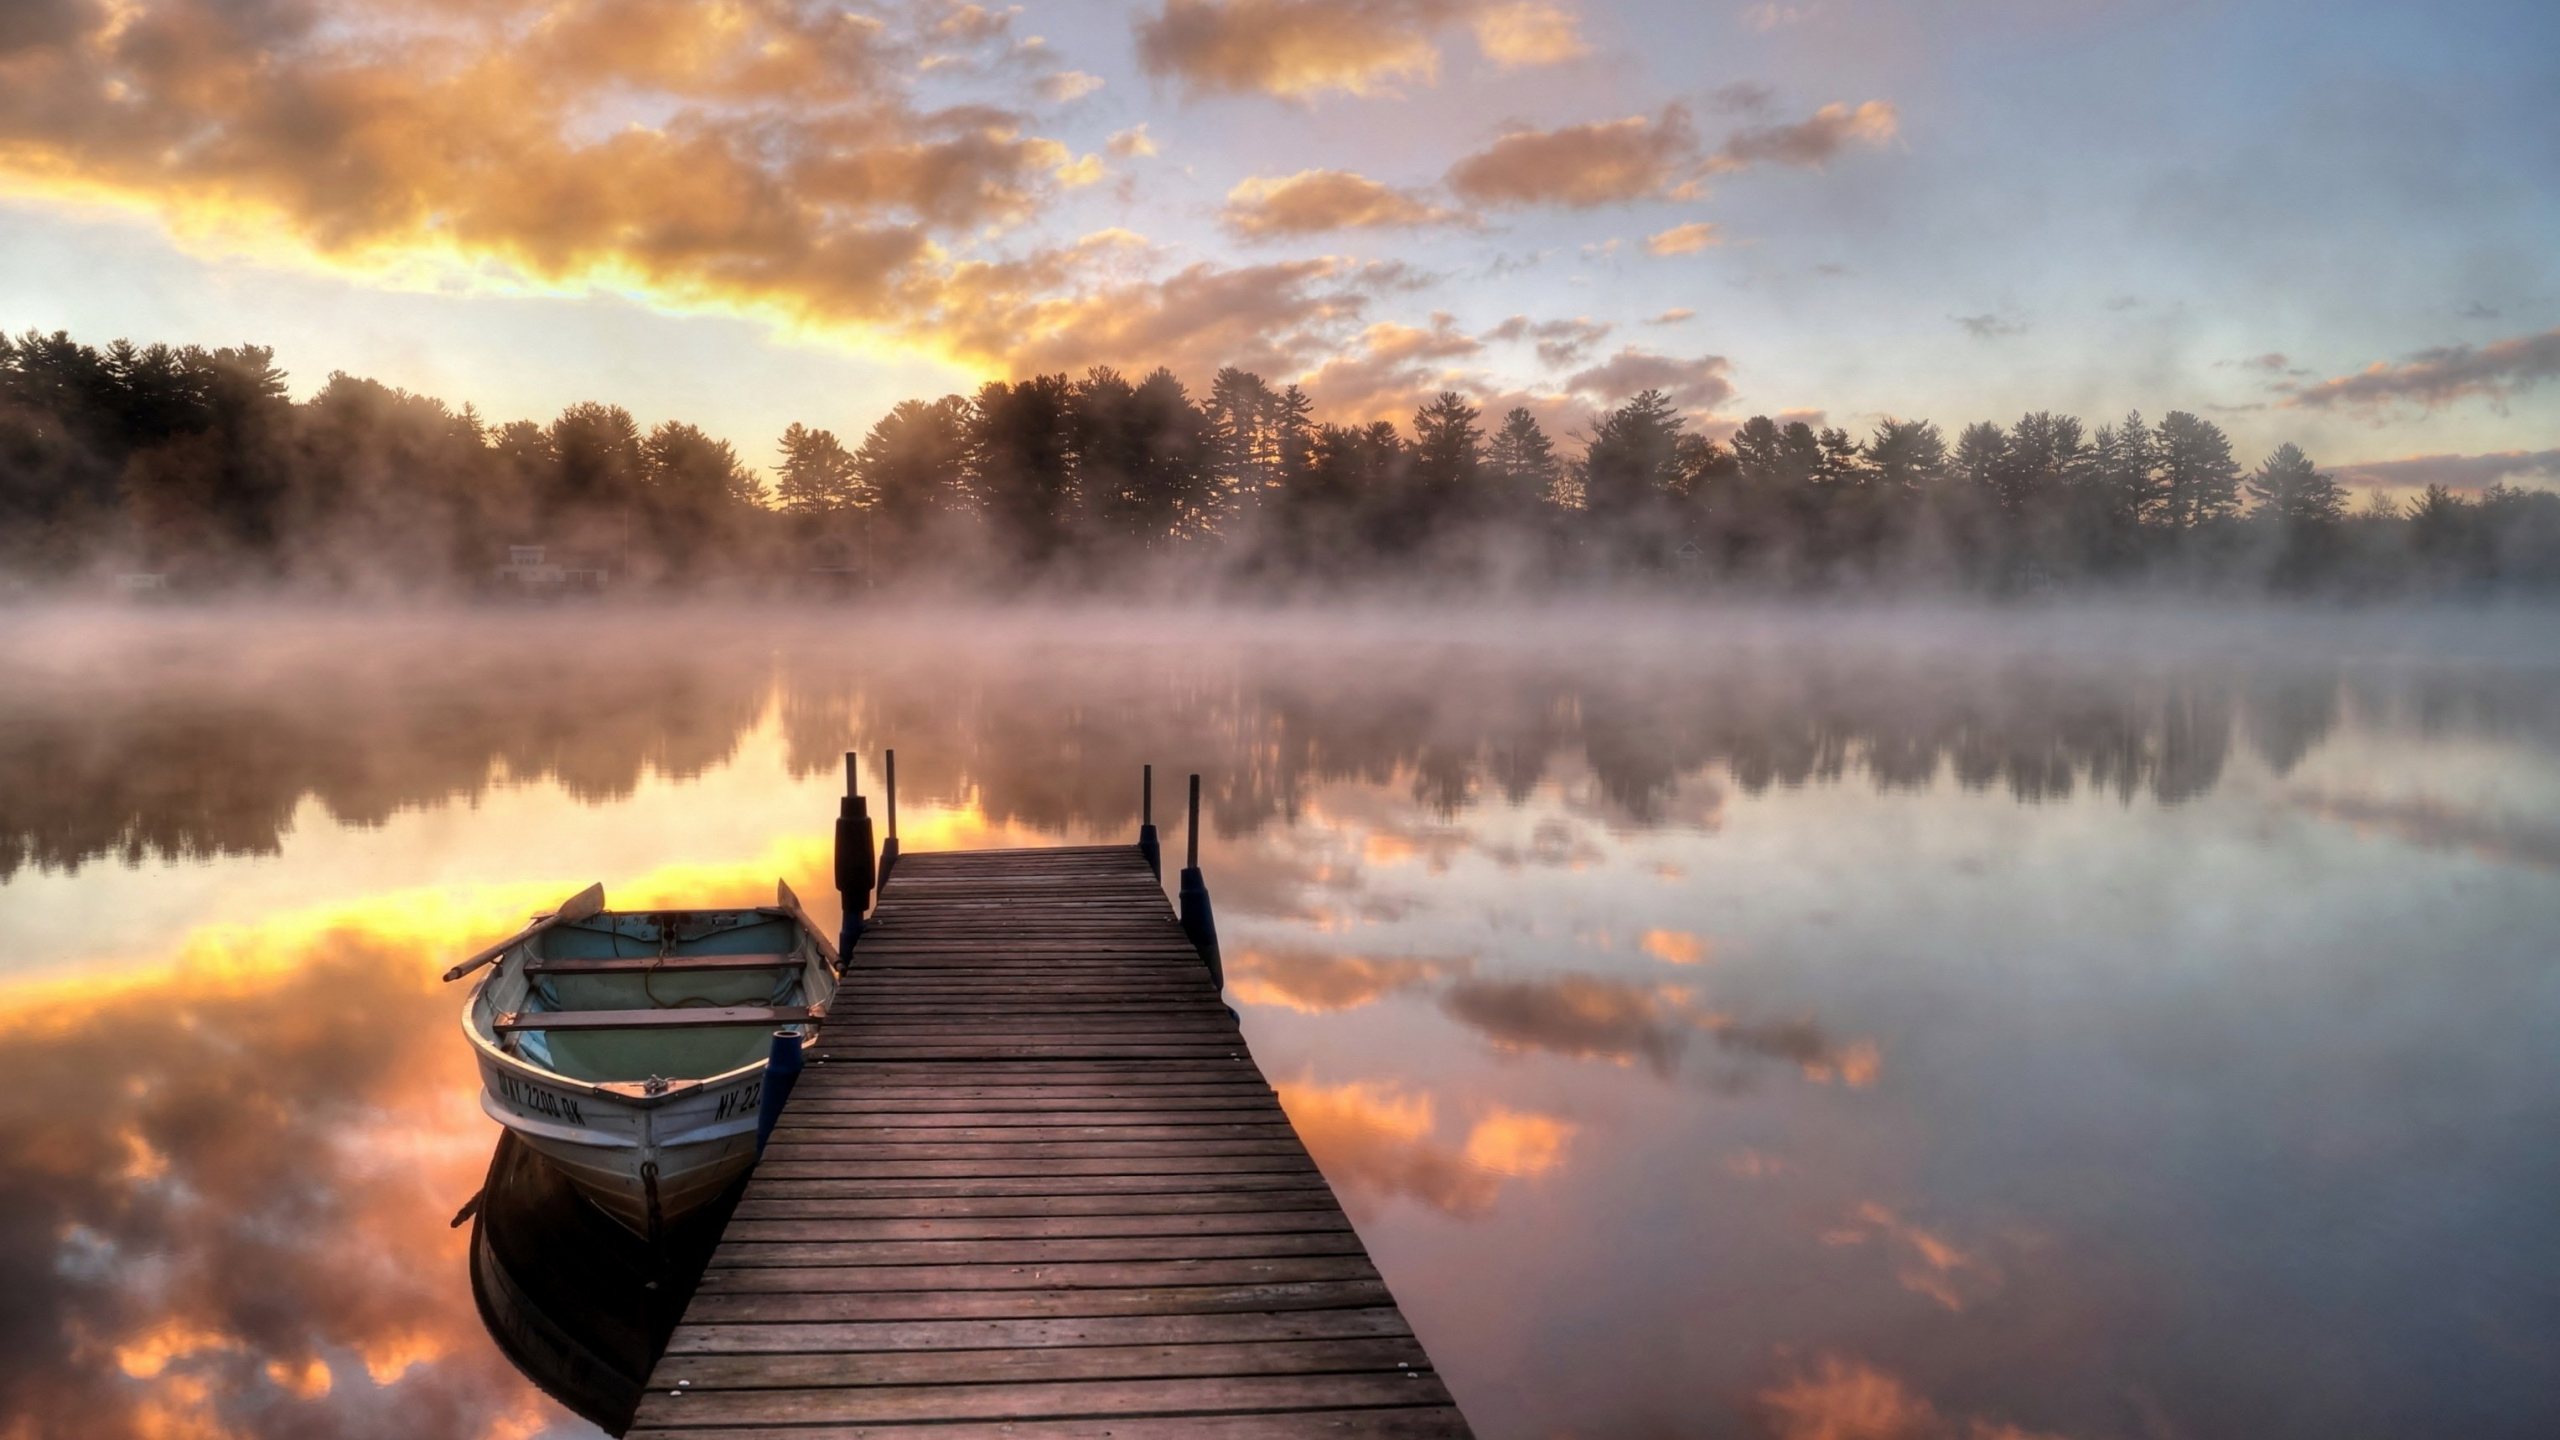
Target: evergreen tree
{"x":1448,"y":458}
{"x":1175,"y":493}
{"x":2199,"y":481}
{"x":2288,"y":488}
{"x":914,"y":465}
{"x":1633,"y":460}
{"x":1521,"y":467}
{"x":1018,"y":462}
{"x":817,"y":473}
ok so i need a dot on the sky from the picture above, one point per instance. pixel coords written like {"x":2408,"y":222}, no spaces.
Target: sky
{"x":2334,"y":223}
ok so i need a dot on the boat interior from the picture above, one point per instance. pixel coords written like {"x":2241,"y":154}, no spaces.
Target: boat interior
{"x":631,"y":976}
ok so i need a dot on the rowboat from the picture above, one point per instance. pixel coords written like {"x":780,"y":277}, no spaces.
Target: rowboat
{"x":629,"y":1048}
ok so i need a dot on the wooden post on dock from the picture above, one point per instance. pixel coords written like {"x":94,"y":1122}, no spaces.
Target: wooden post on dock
{"x":1147,"y":844}
{"x":889,"y":847}
{"x":1196,"y":920}
{"x":854,"y":872}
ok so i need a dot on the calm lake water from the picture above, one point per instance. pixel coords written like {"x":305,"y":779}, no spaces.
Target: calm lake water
{"x":1840,"y":1027}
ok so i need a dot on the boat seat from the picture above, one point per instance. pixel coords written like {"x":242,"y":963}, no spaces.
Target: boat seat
{"x":669,"y":965}
{"x":681,"y":1017}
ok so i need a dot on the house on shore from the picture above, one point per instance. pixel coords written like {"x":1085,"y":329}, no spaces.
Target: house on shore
{"x":552,"y":570}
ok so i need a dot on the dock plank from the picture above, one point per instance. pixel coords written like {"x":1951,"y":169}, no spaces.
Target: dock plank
{"x":1032,"y":1185}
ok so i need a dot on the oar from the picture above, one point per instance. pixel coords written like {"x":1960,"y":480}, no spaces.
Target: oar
{"x":577,"y":907}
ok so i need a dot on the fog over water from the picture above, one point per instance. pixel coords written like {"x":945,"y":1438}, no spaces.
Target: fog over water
{"x":2087,"y":1023}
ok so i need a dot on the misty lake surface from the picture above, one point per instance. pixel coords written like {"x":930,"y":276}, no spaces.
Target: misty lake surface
{"x":1839,"y":1026}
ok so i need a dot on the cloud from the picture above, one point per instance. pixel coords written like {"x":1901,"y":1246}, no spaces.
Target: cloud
{"x":2443,"y":375}
{"x":1517,"y":1142}
{"x":247,"y":1231}
{"x":1375,"y":1138}
{"x":1815,"y":140}
{"x":1698,"y":384}
{"x":2433,"y":825}
{"x":2454,"y":472}
{"x":1676,"y":947}
{"x":1559,"y":342}
{"x":1580,"y":1016}
{"x":1529,"y":33}
{"x":1848,"y":1400}
{"x":1392,"y":369}
{"x":1686,"y":239}
{"x":1591,"y":1018}
{"x":782,"y":168}
{"x":1131,"y":143}
{"x":1298,"y":49}
{"x":1989,"y":325}
{"x":1312,"y":202}
{"x":1673,"y":317}
{"x":1071,"y":308}
{"x":1583,"y":166}
{"x":1610,"y":162}
{"x":1320,"y":982}
{"x":974,"y":24}
{"x":1070,"y":85}
{"x":1742,"y":97}
{"x":1771,"y":16}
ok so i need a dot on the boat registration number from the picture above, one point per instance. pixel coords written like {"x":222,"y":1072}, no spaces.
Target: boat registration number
{"x":539,"y":1100}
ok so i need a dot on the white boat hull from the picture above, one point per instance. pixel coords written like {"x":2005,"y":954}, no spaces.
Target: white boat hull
{"x":645,"y":1161}
{"x":647,"y":1151}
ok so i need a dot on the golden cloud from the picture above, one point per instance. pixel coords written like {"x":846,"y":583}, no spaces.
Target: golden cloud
{"x":1849,"y":1400}
{"x":1686,"y":239}
{"x":251,"y":1221}
{"x":1815,"y":140}
{"x":2444,"y":374}
{"x":1615,"y":162}
{"x":1375,"y":1139}
{"x":1315,"y":201}
{"x":761,"y":157}
{"x":1676,"y":947}
{"x":1316,"y":982}
{"x":1298,"y":49}
{"x":1517,"y":1142}
{"x":1529,"y":33}
{"x":1932,"y":1266}
{"x":1602,"y":162}
{"x":1696,"y":384}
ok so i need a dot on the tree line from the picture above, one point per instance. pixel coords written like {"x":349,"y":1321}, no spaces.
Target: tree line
{"x":197,"y":463}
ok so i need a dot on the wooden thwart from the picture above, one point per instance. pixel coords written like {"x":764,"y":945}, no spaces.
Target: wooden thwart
{"x":1033,"y":1186}
{"x":682,"y":1017}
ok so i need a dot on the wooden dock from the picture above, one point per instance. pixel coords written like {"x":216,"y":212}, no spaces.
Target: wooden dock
{"x":1033,"y":1186}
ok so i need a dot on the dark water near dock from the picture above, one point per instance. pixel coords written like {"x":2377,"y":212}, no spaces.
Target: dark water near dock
{"x":1817,"y":1028}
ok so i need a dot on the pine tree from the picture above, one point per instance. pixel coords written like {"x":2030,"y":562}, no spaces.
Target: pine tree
{"x":817,"y":473}
{"x":2199,"y":481}
{"x":1521,"y":464}
{"x":1448,"y":458}
{"x":2290,"y":489}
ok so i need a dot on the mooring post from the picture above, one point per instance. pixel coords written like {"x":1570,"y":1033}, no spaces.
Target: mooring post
{"x":854,"y":873}
{"x":889,"y":847}
{"x":781,"y":1072}
{"x":1147,"y":845}
{"x":1196,"y":921}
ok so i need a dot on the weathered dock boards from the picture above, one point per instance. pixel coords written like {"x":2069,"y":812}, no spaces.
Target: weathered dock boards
{"x":1033,"y":1186}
